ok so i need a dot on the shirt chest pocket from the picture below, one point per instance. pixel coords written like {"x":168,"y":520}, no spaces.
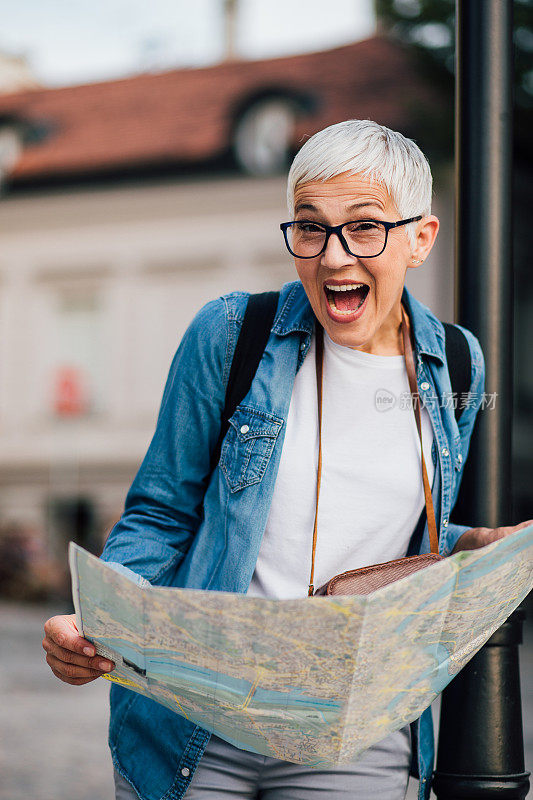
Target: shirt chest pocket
{"x":248,"y":446}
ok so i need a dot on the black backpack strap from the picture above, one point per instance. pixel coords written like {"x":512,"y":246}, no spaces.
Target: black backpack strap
{"x":460,"y":369}
{"x":459,"y":362}
{"x":253,"y":337}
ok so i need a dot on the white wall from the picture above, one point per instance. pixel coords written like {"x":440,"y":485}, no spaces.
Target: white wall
{"x":152,"y":255}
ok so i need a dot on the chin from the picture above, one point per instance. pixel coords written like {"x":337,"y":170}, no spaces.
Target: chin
{"x":346,"y":340}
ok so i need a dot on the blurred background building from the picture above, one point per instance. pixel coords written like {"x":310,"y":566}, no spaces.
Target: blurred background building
{"x":143,"y":159}
{"x":129,"y":203}
{"x":15,"y":73}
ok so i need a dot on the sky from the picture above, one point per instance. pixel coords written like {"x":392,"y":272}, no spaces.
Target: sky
{"x":75,"y":41}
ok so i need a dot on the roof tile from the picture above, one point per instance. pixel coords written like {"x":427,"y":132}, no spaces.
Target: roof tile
{"x":187,"y":115}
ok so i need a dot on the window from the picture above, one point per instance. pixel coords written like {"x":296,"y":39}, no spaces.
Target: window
{"x":77,"y":380}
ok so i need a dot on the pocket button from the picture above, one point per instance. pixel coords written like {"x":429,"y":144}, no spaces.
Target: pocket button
{"x":248,"y":446}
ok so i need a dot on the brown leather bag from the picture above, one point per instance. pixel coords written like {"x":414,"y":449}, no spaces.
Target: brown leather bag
{"x":368,"y":579}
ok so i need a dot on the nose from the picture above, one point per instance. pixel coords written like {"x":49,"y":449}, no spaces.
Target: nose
{"x":335,"y":256}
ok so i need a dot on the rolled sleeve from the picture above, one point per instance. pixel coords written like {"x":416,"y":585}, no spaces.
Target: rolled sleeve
{"x":453,"y":534}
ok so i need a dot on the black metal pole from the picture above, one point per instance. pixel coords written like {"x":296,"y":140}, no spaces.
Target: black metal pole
{"x":481,"y":750}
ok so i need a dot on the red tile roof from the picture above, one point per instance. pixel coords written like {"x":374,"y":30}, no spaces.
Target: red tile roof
{"x":187,"y":115}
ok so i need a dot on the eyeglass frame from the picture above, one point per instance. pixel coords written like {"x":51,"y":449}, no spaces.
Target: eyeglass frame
{"x":284,"y":226}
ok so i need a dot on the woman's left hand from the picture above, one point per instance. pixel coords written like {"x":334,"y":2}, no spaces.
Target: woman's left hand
{"x":479,"y":537}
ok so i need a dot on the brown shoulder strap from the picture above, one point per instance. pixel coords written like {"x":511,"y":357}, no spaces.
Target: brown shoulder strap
{"x":411,"y":375}
{"x":319,"y":353}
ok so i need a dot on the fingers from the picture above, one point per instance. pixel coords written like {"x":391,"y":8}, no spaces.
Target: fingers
{"x":500,"y":533}
{"x":72,"y":681}
{"x":69,"y":657}
{"x":72,"y":658}
{"x":480,"y":537}
{"x":508,"y":529}
{"x":522,"y":525}
{"x":62,"y":631}
{"x":67,"y":670}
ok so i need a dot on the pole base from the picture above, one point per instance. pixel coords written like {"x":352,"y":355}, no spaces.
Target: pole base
{"x":481,"y":787}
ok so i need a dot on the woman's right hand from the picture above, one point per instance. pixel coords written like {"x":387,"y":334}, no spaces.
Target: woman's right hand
{"x":71,"y":657}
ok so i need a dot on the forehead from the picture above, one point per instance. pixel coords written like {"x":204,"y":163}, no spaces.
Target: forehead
{"x":343,"y":191}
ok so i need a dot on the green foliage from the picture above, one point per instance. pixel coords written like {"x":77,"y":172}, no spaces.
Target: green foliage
{"x":428,"y":28}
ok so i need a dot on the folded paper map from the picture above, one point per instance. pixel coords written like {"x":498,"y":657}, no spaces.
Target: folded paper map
{"x":315,"y":680}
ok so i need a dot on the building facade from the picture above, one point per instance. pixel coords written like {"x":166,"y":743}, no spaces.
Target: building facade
{"x":104,"y":262}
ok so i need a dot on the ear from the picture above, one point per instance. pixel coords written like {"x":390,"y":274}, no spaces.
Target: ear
{"x":425,"y":235}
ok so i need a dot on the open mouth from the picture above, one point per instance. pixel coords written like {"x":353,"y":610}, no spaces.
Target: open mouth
{"x":346,"y":298}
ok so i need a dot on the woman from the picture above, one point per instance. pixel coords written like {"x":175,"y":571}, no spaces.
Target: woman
{"x":250,"y":528}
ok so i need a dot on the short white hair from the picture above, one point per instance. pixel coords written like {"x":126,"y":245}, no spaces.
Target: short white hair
{"x":361,"y":146}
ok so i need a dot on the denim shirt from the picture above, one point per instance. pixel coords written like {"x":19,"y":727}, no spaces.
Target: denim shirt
{"x":184,"y":527}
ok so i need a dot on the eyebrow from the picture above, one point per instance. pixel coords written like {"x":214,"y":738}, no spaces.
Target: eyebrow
{"x":353,"y":207}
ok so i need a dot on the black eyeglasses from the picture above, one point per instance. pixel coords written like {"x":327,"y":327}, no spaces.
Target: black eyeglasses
{"x":362,"y":238}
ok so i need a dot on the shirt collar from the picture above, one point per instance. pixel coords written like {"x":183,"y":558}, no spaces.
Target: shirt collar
{"x":296,"y":315}
{"x":428,"y":330}
{"x":295,"y":312}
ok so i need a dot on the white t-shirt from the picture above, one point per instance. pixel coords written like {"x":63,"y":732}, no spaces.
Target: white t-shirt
{"x":371,"y":492}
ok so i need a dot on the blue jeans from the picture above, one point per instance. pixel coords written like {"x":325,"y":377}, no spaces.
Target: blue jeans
{"x":226,"y":771}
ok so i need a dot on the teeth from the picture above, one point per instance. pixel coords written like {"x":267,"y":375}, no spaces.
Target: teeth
{"x":332,"y":305}
{"x":345,"y":287}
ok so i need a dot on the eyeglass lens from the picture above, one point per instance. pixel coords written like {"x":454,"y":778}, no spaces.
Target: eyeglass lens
{"x":364,"y":238}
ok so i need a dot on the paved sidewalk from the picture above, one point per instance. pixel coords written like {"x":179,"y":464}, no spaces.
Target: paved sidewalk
{"x":53,"y":737}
